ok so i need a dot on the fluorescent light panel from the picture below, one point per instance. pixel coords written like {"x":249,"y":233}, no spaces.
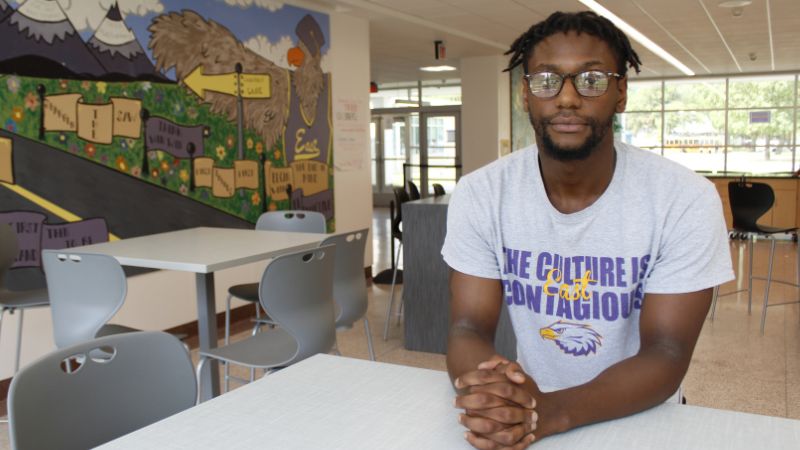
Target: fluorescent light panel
{"x":637,"y":36}
{"x":437,"y":68}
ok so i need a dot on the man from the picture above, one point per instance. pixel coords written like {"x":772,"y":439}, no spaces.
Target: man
{"x":604,"y":255}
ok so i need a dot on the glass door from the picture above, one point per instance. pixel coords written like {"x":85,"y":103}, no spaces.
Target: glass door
{"x":427,"y":142}
{"x":442,"y":152}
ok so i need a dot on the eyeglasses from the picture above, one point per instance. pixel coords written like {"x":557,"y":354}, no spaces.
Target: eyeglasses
{"x":592,"y":83}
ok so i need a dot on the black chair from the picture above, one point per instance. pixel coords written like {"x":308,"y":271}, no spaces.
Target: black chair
{"x":413,"y":191}
{"x":749,"y":201}
{"x":400,"y":197}
{"x":438,"y":190}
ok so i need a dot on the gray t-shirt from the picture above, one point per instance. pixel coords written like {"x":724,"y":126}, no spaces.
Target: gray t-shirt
{"x":574,"y":283}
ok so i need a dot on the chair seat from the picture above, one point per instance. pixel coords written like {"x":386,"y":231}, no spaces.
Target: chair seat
{"x":23,"y":299}
{"x":272,"y":348}
{"x":110,"y":329}
{"x":247,"y":292}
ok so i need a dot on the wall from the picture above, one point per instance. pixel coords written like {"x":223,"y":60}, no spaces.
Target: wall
{"x":485,"y":110}
{"x":164,"y":299}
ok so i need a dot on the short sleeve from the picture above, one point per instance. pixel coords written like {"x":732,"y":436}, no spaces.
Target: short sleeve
{"x":694,"y":252}
{"x":469,"y":244}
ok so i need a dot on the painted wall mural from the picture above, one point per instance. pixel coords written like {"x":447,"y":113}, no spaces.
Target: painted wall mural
{"x":224,"y":105}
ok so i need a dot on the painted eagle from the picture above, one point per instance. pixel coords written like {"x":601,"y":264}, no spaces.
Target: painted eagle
{"x":185,"y":40}
{"x":572,"y":338}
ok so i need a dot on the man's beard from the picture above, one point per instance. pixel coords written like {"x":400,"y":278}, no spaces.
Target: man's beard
{"x":579,"y":153}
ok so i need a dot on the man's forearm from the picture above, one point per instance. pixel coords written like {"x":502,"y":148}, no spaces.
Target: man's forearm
{"x":615,"y":393}
{"x":466,"y":348}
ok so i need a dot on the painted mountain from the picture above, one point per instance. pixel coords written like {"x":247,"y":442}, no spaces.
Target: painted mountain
{"x":5,"y":10}
{"x":115,"y":46}
{"x":44,"y":43}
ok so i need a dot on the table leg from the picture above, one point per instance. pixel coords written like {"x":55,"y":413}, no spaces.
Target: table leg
{"x":207,"y":332}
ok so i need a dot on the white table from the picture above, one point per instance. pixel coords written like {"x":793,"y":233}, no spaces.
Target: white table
{"x":329,"y":402}
{"x":204,"y":251}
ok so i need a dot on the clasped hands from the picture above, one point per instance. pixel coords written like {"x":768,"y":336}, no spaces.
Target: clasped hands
{"x":499,"y":412}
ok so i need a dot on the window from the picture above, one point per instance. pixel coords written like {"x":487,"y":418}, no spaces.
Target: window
{"x":746,"y":124}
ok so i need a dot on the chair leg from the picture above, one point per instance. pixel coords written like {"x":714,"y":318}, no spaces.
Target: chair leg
{"x":19,"y":340}
{"x":766,"y":291}
{"x":391,"y":295}
{"x":751,"y":247}
{"x":227,"y":338}
{"x":369,"y":339}
{"x":200,"y":365}
{"x":228,"y":319}
{"x":714,"y":301}
{"x":400,"y":310}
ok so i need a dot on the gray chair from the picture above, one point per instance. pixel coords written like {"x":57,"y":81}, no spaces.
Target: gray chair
{"x":296,"y":290}
{"x":18,"y":301}
{"x":349,"y":284}
{"x":400,"y":196}
{"x":86,"y":290}
{"x":121,"y":383}
{"x":293,"y":220}
{"x":298,"y":221}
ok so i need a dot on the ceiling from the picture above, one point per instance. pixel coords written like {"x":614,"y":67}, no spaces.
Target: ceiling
{"x":707,"y":38}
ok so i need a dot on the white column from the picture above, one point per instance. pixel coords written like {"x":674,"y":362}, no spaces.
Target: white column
{"x":485,"y":110}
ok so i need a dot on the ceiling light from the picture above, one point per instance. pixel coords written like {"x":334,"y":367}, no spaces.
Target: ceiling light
{"x":734,"y":3}
{"x":637,"y":36}
{"x":438,"y":68}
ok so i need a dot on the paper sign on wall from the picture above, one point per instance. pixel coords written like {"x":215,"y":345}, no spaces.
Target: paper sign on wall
{"x":224,"y":182}
{"x":95,"y":123}
{"x":246,"y":174}
{"x":203,"y":168}
{"x":277,"y":179}
{"x":310,"y":176}
{"x":6,"y":160}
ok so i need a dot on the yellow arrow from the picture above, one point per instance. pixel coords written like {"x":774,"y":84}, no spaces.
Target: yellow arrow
{"x":252,"y":85}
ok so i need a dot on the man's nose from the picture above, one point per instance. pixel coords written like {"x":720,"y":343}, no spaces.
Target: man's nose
{"x":568,"y":98}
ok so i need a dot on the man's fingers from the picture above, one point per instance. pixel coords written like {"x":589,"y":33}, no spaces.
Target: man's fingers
{"x":507,"y":391}
{"x":508,"y":415}
{"x":479,"y":400}
{"x":493,"y":362}
{"x":480,"y":442}
{"x":480,"y":425}
{"x":478,"y":377}
{"x":515,"y":373}
{"x":510,"y":436}
{"x":525,"y":442}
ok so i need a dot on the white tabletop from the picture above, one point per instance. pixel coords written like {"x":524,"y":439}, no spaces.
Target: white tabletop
{"x":340,"y":403}
{"x":203,"y":250}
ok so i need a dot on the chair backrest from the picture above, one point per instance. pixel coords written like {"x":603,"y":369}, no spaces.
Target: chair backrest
{"x":438,"y":190}
{"x":413,"y":191}
{"x":125,"y":382}
{"x":400,"y":197}
{"x":749,"y":201}
{"x":349,"y":284}
{"x":85,"y":291}
{"x":299,"y":221}
{"x":8,"y":250}
{"x":296,"y":290}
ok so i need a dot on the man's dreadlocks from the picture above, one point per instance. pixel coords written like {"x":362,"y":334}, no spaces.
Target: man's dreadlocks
{"x":581,"y":22}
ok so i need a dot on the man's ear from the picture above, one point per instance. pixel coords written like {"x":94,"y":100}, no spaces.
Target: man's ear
{"x":622,"y":99}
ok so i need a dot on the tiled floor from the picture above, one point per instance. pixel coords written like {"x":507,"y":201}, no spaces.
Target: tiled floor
{"x":733,"y":367}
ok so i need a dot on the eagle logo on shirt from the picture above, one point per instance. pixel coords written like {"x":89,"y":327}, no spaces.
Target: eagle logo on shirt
{"x":572,"y":338}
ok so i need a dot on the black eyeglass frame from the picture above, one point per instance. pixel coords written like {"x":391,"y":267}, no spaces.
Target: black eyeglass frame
{"x":571,"y":77}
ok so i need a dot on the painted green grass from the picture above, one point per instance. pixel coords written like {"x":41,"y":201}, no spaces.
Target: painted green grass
{"x":20,"y":110}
